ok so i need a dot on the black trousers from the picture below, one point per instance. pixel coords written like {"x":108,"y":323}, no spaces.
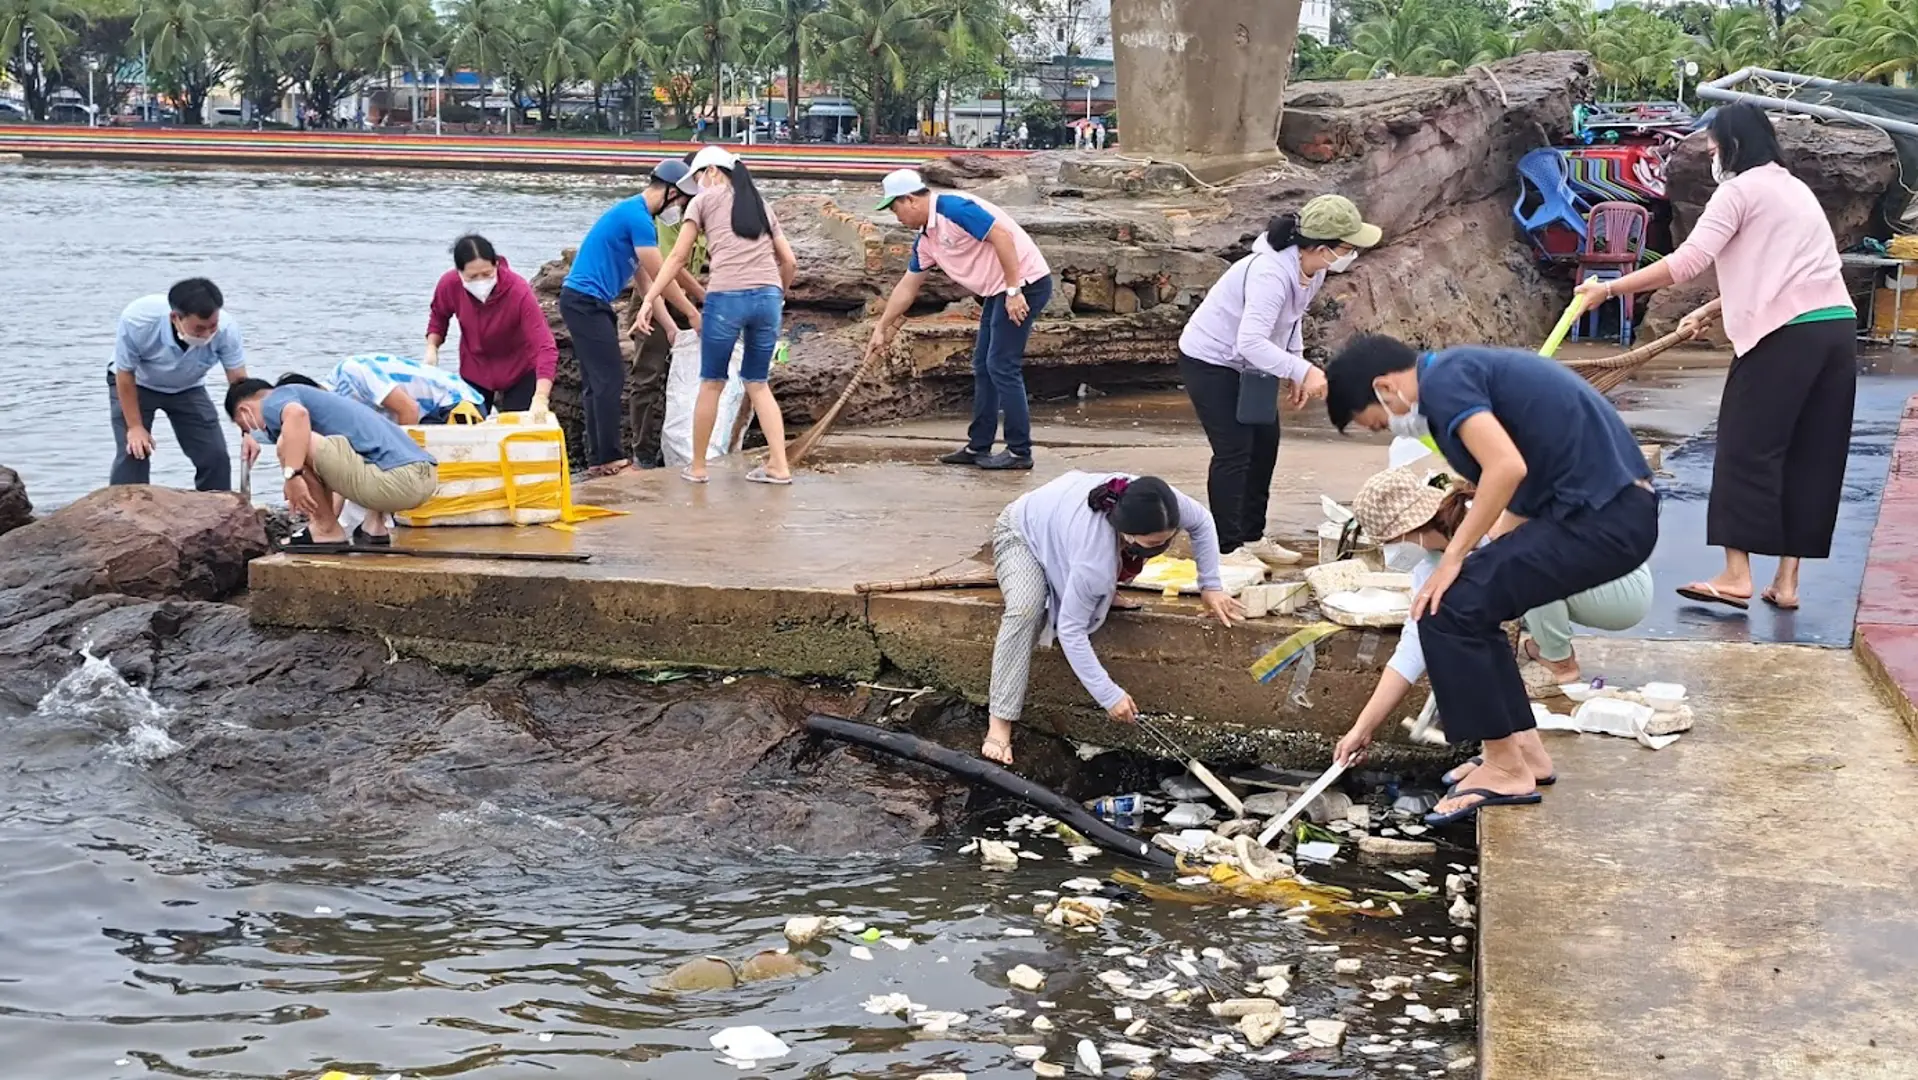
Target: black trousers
{"x":594,"y":328}
{"x":196,"y":426}
{"x":1467,"y":655}
{"x":1784,"y":432}
{"x":1238,"y":485}
{"x":515,"y":398}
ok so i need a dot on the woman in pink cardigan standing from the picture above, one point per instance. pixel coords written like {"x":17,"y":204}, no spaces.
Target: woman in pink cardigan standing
{"x":1784,"y":421}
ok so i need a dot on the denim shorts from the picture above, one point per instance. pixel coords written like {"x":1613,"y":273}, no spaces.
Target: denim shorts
{"x":752,"y":314}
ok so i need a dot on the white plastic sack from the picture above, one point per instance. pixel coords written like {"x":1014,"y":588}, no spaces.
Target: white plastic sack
{"x":682,"y":390}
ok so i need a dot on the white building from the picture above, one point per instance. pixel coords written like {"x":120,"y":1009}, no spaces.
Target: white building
{"x":1315,"y":18}
{"x":1062,"y":27}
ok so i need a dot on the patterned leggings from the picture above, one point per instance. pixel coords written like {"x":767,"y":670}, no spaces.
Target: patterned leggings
{"x":1022,"y":582}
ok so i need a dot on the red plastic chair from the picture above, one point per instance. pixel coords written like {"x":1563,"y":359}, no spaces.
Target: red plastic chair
{"x":1614,"y":244}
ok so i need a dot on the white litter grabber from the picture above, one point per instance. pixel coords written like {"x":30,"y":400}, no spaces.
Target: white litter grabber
{"x":1298,"y":806}
{"x":1196,"y":767}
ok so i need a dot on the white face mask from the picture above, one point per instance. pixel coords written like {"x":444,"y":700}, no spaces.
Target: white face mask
{"x":1410,"y":424}
{"x":196,"y":342}
{"x":1344,"y":262}
{"x":1719,"y":175}
{"x":481,"y":288}
{"x":1403,"y":555}
{"x":670,"y":216}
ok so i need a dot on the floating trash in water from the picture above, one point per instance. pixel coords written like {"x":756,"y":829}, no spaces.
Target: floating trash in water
{"x":860,"y":952}
{"x":881,"y":1004}
{"x":1088,"y":1056}
{"x":750,"y":1043}
{"x":1026,"y":977}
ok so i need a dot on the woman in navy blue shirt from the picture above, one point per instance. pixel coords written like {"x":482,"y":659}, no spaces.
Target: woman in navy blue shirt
{"x":1563,"y":489}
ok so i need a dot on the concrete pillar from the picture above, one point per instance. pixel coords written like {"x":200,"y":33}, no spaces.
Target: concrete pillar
{"x":1202,"y":82}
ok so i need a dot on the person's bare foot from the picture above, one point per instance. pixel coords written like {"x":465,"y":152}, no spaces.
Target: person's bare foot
{"x":1732,"y":592}
{"x":1536,"y":759}
{"x":1120,"y":603}
{"x":1486,"y":778}
{"x":1782,"y":599}
{"x":998,"y":744}
{"x":1565,"y":671}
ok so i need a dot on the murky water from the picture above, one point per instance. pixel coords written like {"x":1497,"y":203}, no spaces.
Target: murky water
{"x":150,"y":930}
{"x":315,"y":266}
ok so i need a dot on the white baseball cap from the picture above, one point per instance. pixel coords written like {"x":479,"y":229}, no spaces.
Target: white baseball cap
{"x":707,"y":158}
{"x":899,"y":184}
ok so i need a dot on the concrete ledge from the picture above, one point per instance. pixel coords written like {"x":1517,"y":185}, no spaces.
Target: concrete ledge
{"x":1887,"y":632}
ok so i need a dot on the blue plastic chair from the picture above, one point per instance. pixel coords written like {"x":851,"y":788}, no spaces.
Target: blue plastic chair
{"x":1545,"y":172}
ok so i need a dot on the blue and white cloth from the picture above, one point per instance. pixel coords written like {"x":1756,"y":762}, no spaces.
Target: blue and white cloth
{"x":369,"y":379}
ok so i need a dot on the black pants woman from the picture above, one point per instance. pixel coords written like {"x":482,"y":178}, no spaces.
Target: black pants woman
{"x":1238,"y":483}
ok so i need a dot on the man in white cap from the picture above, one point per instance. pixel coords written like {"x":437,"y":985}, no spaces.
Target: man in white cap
{"x":982,"y":248}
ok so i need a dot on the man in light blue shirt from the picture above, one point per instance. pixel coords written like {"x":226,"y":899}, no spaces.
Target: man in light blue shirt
{"x":162,"y":351}
{"x":405,"y":390}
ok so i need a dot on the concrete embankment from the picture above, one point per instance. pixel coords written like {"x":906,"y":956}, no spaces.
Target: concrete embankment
{"x":453,"y":150}
{"x":1739,"y":904}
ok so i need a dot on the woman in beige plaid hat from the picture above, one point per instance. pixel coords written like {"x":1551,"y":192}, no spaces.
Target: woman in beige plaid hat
{"x":1413,"y":512}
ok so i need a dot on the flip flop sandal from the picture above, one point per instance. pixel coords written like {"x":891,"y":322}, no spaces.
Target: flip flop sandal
{"x":1486,"y":798}
{"x":1451,"y":781}
{"x":1771,"y":597}
{"x":1001,"y":744}
{"x":304,"y":541}
{"x":687,"y":475}
{"x":1708,"y":593}
{"x":761,"y":476}
{"x":362,"y":538}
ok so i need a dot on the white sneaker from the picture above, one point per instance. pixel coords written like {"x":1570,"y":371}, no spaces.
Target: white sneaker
{"x":1271,"y":552}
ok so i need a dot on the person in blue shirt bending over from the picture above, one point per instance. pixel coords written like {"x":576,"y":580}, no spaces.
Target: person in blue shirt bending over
{"x":162,"y":351}
{"x":1563,"y":489}
{"x":332,"y":448}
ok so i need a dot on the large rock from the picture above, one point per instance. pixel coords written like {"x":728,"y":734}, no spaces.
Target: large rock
{"x":139,"y":541}
{"x":1848,"y":168}
{"x":15,"y":508}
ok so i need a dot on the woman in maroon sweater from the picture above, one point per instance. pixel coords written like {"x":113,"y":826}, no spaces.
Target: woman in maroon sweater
{"x":506,"y":345}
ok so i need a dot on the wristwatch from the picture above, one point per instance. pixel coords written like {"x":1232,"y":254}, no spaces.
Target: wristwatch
{"x":1014,"y":291}
{"x":291,"y":473}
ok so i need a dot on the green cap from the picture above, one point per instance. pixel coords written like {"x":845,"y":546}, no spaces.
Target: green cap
{"x":1333,"y":219}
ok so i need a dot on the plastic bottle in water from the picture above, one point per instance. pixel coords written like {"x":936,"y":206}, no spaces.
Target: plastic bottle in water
{"x":1113,"y":807}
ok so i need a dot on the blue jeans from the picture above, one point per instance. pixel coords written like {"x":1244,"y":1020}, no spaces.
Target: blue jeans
{"x":754,"y":313}
{"x":998,"y":373}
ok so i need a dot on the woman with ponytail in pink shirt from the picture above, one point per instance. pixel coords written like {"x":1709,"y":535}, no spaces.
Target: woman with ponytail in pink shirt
{"x":1784,"y":421}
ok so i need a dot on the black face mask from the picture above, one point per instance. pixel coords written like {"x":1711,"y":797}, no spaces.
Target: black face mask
{"x":1140,"y":551}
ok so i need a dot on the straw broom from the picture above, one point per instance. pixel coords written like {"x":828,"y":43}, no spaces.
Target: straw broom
{"x":807,"y":443}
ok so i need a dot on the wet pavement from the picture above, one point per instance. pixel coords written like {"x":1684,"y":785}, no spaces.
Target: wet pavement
{"x":1828,"y":587}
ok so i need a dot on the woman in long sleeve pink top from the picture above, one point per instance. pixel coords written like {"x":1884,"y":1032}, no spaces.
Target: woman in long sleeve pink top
{"x":507,"y":351}
{"x":1784,"y":421}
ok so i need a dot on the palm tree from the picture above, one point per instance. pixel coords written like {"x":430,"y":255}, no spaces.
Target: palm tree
{"x":1461,"y":39}
{"x":1870,"y":39}
{"x":387,"y":34}
{"x":707,"y":33}
{"x":787,"y":29}
{"x":32,"y":35}
{"x":186,"y":51}
{"x":1635,"y":50}
{"x":254,"y":27}
{"x":1732,"y":38}
{"x":479,"y":35}
{"x":555,"y":33}
{"x":314,"y":44}
{"x":1399,"y":43}
{"x":972,"y":33}
{"x":1567,"y":24}
{"x":873,"y":40}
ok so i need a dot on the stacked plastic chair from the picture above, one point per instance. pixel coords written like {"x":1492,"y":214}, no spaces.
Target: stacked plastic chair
{"x":1544,"y":176}
{"x":1614,"y":244}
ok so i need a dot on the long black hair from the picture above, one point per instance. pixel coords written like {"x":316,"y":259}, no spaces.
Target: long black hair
{"x":1140,"y":506}
{"x":1283,"y":231}
{"x":750,"y":220}
{"x":1746,"y":140}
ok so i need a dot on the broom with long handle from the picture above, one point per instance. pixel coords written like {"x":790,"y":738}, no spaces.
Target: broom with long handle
{"x":807,"y":443}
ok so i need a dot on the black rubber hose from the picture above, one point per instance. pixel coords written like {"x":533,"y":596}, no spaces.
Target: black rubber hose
{"x":978,"y":770}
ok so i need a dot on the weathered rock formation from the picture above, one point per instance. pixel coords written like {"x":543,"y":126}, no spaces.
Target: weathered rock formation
{"x":15,"y":508}
{"x":1848,"y":168}
{"x":137,"y":541}
{"x":1431,"y":160}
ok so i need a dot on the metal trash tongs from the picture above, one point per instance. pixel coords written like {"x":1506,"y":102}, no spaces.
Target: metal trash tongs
{"x":1193,"y":765}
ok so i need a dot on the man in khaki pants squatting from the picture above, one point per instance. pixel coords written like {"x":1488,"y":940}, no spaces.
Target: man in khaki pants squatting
{"x":330,"y":445}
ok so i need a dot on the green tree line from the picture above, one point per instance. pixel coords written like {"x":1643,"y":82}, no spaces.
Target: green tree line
{"x":1635,"y":48}
{"x":894,"y":58}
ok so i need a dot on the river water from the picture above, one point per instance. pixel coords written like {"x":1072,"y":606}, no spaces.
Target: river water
{"x":456,"y":929}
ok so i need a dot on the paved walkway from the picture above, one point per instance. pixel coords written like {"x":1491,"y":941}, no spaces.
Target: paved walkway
{"x":1739,"y":905}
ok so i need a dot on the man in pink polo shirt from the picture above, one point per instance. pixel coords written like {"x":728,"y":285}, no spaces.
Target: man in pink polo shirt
{"x":982,"y":248}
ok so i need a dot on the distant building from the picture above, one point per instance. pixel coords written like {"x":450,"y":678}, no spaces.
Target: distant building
{"x":1315,"y":18}
{"x":1081,"y":28}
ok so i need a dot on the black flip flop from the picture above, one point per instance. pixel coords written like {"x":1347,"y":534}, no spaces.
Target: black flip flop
{"x":362,"y":538}
{"x":303,"y":541}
